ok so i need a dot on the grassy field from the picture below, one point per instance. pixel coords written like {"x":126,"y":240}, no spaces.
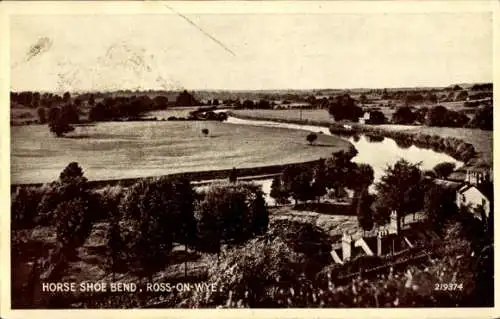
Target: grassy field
{"x":482,"y":140}
{"x":21,"y":114}
{"x":115,"y":150}
{"x":292,"y":114}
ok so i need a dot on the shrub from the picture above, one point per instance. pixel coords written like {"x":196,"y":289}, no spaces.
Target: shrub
{"x":311,"y":137}
{"x":251,"y":275}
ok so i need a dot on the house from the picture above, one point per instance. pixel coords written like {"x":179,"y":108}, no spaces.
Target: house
{"x":365,"y":118}
{"x":478,"y":175}
{"x":382,"y":242}
{"x":477,"y":197}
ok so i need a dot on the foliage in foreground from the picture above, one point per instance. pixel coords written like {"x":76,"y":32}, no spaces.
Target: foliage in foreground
{"x":276,"y":269}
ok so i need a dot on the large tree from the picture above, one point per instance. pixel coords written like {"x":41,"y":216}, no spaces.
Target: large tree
{"x":185,"y":99}
{"x":401,"y":189}
{"x":41,"y":115}
{"x":278,"y":192}
{"x":343,"y":107}
{"x":439,"y":204}
{"x":230,"y":213}
{"x":483,"y":118}
{"x":159,"y":211}
{"x":404,"y":115}
{"x":362,"y":203}
{"x":444,"y":169}
{"x":60,"y":127}
{"x":339,"y":170}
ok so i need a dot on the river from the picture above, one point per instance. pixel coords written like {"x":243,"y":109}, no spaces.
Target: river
{"x":378,"y":154}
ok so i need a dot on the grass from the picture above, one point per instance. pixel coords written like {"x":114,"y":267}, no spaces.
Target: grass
{"x":292,"y":114}
{"x":115,"y":150}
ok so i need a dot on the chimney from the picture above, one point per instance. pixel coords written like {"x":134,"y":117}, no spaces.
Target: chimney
{"x":347,"y":245}
{"x":380,"y":235}
{"x":393,"y":224}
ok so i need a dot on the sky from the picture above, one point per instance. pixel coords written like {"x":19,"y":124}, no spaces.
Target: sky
{"x":249,"y":51}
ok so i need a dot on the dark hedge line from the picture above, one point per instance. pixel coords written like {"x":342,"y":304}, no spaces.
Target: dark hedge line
{"x":192,"y":176}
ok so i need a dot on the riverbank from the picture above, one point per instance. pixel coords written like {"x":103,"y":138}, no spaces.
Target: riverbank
{"x":452,"y":146}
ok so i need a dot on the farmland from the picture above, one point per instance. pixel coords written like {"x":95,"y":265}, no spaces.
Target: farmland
{"x":115,"y":150}
{"x":292,"y":114}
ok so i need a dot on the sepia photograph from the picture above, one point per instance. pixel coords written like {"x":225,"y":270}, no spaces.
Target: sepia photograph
{"x":231,"y":156}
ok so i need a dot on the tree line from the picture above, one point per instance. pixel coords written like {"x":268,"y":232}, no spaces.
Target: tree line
{"x":275,"y":264}
{"x":145,"y":219}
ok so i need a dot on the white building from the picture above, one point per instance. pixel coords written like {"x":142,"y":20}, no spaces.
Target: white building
{"x":365,"y":118}
{"x":474,"y":197}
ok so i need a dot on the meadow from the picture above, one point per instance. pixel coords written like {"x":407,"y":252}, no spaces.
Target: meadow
{"x":115,"y":150}
{"x":320,"y":115}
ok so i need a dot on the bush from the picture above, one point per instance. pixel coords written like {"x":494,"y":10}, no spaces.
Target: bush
{"x":251,"y":275}
{"x":311,"y":137}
